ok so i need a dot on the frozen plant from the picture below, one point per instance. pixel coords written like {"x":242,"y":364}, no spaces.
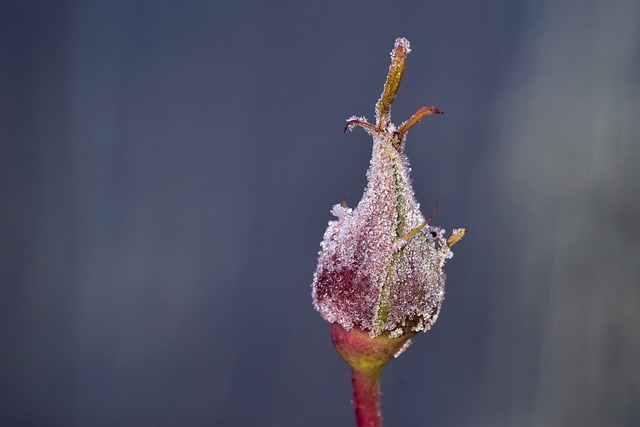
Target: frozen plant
{"x":380,"y":276}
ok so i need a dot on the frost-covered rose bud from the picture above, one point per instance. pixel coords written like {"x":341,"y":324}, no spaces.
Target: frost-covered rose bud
{"x":380,"y":268}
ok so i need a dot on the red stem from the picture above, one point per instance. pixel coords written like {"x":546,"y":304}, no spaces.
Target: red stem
{"x":366,"y":398}
{"x":366,"y":357}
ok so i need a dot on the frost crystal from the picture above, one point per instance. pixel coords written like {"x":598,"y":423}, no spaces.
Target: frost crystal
{"x":380,"y":267}
{"x":364,"y":277}
{"x":404,"y":348}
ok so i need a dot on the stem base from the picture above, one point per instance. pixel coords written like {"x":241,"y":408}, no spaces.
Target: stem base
{"x":366,"y":357}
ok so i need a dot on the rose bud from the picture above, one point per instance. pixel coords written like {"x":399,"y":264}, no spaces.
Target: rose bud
{"x":380,"y":276}
{"x":380,"y":267}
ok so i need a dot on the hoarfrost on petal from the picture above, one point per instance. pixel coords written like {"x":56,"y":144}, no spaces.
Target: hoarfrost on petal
{"x":370,"y":273}
{"x":340,"y":211}
{"x":367,"y":275}
{"x":396,"y":333}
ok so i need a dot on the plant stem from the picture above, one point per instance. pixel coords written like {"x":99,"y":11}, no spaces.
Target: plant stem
{"x":366,"y":397}
{"x":366,"y":357}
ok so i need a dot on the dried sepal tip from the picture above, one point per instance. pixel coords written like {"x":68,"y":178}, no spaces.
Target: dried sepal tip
{"x":458,"y":234}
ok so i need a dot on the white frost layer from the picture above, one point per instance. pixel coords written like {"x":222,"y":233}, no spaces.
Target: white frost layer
{"x":364,"y":277}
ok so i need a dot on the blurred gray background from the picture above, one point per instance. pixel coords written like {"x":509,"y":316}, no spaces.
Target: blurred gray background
{"x":167,"y":170}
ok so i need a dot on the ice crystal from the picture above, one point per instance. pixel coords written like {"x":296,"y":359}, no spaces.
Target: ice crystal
{"x":368,"y":275}
{"x":380,"y":267}
{"x":405,"y":346}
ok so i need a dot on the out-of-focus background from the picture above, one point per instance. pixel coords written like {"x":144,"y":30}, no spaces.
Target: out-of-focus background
{"x":167,"y":170}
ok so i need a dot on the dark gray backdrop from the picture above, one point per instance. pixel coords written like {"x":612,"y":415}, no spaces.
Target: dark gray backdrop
{"x":167,"y":170}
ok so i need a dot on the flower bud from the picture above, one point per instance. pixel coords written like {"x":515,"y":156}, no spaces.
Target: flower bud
{"x":380,"y":267}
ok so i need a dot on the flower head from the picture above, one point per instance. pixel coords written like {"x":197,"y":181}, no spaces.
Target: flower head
{"x":380,"y":267}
